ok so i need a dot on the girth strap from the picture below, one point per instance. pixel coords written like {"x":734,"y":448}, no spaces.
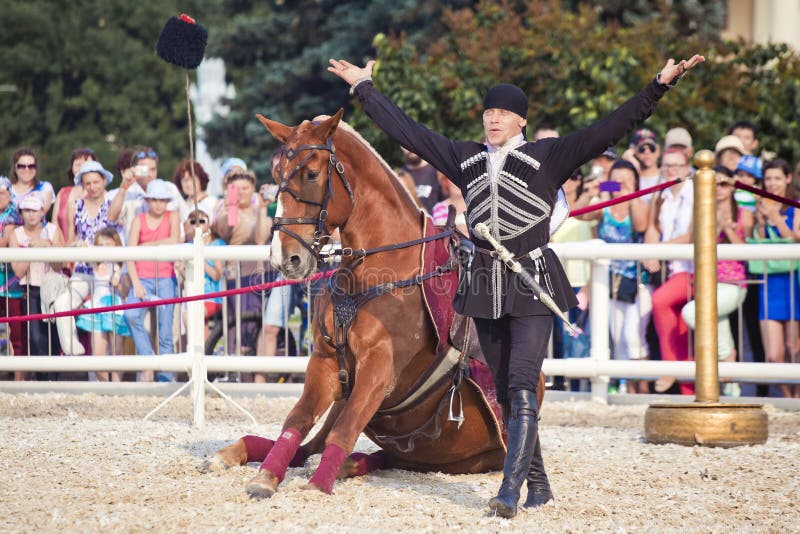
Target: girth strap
{"x":345,"y":306}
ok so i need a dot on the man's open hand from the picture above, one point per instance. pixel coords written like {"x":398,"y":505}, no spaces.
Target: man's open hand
{"x":349,"y":72}
{"x":672,"y":70}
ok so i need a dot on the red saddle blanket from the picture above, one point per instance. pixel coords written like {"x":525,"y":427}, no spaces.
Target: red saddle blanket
{"x":438,"y":292}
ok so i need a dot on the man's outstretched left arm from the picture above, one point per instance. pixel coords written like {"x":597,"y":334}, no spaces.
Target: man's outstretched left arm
{"x":577,"y":148}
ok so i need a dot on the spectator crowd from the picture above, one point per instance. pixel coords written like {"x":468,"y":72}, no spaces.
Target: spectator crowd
{"x":652,"y":308}
{"x":144,"y":210}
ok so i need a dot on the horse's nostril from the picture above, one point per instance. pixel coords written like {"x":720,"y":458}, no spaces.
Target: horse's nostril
{"x":295,"y":261}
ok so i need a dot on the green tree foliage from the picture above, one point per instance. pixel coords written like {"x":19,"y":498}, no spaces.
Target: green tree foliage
{"x":577,"y":65}
{"x":691,"y":17}
{"x":86,"y":74}
{"x":277,"y":53}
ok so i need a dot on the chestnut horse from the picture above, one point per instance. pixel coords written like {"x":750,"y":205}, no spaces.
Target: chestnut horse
{"x":331,"y":179}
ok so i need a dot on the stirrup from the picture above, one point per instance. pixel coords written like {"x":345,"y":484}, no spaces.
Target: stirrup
{"x":452,"y":417}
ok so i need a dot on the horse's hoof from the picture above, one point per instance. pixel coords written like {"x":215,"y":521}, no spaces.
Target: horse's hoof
{"x":310,"y":486}
{"x":262,"y":486}
{"x":215,"y":464}
{"x":349,"y":468}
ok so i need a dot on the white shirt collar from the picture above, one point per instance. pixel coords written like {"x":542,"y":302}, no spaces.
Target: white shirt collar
{"x":512,"y":143}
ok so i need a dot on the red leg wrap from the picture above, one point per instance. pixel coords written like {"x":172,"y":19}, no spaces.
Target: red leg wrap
{"x":257,"y":447}
{"x":299,"y":459}
{"x":367,"y":463}
{"x":332,"y":460}
{"x":282,"y":453}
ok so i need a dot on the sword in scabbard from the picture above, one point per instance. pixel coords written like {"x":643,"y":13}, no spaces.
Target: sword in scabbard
{"x":506,"y":257}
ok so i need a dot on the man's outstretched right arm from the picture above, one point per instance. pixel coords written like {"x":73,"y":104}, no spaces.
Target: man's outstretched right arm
{"x":431,"y":146}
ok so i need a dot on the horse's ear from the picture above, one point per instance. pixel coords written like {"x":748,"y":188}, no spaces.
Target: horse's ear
{"x":326,"y":128}
{"x":279,"y":131}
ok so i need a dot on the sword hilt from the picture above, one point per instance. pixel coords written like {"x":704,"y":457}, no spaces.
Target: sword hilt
{"x":502,"y":252}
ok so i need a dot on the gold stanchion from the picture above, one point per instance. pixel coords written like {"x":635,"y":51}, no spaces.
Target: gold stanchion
{"x":705,"y":421}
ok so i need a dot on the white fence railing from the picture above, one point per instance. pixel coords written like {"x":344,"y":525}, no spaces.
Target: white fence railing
{"x":598,"y":367}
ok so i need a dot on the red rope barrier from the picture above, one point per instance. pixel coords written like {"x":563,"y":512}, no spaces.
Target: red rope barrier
{"x":623,"y":198}
{"x":765,"y":194}
{"x":163,"y":302}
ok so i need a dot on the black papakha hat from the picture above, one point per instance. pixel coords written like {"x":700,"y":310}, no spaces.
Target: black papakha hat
{"x":508,"y":97}
{"x":182,"y":42}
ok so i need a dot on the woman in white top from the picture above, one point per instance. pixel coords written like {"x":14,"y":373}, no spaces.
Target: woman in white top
{"x":671,"y":222}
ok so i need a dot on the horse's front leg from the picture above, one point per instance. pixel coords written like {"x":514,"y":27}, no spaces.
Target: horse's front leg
{"x":374,"y":373}
{"x":320,"y":390}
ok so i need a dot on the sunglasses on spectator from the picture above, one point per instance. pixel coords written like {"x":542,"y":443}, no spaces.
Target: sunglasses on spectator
{"x":29,"y":166}
{"x":647,"y":147}
{"x":198,"y":221}
{"x":146,"y":154}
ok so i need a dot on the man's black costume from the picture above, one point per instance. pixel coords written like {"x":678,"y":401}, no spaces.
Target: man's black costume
{"x":512,"y":189}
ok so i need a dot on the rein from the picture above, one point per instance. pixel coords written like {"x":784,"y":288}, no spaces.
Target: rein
{"x":345,"y":305}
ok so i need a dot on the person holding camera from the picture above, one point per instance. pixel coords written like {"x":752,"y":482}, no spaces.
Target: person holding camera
{"x":630,"y":306}
{"x":129,"y":200}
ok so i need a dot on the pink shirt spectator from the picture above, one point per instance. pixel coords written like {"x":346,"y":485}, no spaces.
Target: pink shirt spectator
{"x":731,"y":270}
{"x":148,"y":269}
{"x":35,"y":274}
{"x":439,"y":213}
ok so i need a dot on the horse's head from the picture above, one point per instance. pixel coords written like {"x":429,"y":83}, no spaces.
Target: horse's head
{"x":312,"y":200}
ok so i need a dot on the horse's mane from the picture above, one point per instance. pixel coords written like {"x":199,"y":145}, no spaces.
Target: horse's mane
{"x":346,"y":128}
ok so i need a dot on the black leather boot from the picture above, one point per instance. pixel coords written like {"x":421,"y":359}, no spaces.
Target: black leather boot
{"x":522,"y":426}
{"x":539,"y":492}
{"x":504,"y":429}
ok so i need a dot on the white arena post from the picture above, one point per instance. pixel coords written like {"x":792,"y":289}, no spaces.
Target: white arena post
{"x":599,"y":320}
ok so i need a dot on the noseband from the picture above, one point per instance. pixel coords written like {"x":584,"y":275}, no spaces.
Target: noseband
{"x":280,"y":223}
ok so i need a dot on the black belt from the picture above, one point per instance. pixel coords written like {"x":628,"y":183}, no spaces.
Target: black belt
{"x":537,"y":255}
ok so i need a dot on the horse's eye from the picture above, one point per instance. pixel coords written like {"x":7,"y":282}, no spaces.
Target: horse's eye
{"x":312,"y":175}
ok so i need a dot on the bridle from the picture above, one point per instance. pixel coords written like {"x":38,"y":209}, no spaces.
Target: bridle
{"x":280,"y":223}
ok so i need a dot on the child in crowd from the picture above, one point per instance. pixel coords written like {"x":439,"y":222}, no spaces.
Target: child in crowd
{"x":213,"y":269}
{"x":108,"y":284}
{"x":35,"y":232}
{"x":153,"y":280}
{"x":748,"y":171}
